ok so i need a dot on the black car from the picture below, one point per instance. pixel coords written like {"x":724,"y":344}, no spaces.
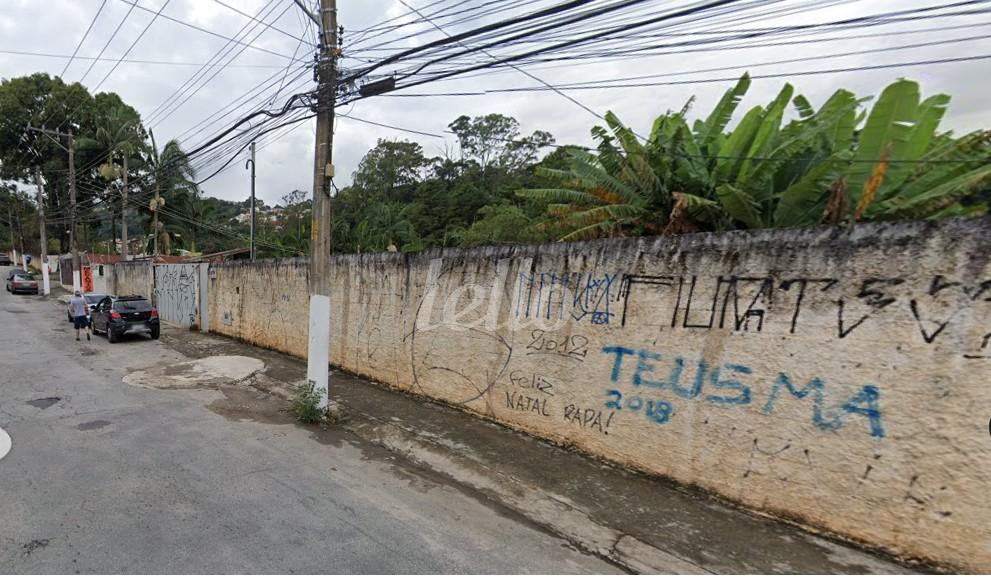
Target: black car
{"x":19,"y":280}
{"x":125,"y":315}
{"x":5,"y":259}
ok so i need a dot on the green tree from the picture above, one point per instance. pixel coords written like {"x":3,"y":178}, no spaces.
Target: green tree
{"x":390,"y":170}
{"x":494,"y":140}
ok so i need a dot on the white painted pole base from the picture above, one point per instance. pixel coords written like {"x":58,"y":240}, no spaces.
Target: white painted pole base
{"x":318,"y":351}
{"x":76,"y":281}
{"x":46,"y":287}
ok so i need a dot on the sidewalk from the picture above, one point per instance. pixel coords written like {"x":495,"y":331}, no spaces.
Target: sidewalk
{"x":642,"y":524}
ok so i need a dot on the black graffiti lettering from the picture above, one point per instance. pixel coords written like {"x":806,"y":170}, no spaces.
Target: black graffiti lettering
{"x":688,"y":306}
{"x":626,"y":286}
{"x":872,"y":296}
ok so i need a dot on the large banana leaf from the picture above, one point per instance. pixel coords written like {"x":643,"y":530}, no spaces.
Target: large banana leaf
{"x":887,"y":132}
{"x":803,"y":140}
{"x":841,"y":107}
{"x":930,"y":113}
{"x":721,"y":114}
{"x":732,"y":153}
{"x":766,"y":134}
{"x":739,"y":205}
{"x":931,"y":201}
{"x":802,"y":203}
{"x":803,"y":106}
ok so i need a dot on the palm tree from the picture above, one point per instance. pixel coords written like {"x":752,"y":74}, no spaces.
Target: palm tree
{"x":118,"y":133}
{"x":174,"y":176}
{"x":199,"y":211}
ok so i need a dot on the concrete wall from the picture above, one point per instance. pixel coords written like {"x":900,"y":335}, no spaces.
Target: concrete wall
{"x":835,"y":377}
{"x":102,"y":277}
{"x":133,"y":278}
{"x":264,"y":303}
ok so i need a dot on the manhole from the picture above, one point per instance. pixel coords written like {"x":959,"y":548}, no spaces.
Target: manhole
{"x":44,"y":403}
{"x":4,"y":443}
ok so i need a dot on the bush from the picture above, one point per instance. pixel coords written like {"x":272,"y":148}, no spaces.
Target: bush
{"x":306,"y":404}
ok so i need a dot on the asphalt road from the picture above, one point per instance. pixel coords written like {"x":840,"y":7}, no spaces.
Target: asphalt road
{"x":104,"y":477}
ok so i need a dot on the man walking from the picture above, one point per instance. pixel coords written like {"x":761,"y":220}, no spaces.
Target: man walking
{"x":80,"y":313}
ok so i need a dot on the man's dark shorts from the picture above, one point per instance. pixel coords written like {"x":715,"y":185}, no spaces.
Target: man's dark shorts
{"x":81,"y":322}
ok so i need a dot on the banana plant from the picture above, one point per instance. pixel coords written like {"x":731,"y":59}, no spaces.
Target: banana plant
{"x":838,"y":163}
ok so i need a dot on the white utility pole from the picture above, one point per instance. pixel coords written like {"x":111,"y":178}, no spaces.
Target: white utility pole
{"x":45,"y":285}
{"x":318,"y":350}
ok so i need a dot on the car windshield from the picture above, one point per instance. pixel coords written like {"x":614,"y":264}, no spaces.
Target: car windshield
{"x":133,"y":305}
{"x":94,"y":298}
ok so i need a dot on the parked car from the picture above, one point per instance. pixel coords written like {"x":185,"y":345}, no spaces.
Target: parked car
{"x":5,"y":259}
{"x":91,"y":300}
{"x":19,"y":280}
{"x":125,"y":315}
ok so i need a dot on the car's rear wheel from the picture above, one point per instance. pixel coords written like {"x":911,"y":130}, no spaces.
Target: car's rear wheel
{"x":111,"y":336}
{"x":155,"y":333}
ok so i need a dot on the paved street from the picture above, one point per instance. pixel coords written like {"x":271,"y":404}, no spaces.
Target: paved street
{"x":104,"y":477}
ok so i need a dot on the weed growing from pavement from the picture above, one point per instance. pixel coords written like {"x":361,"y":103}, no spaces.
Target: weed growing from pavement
{"x":306,"y":403}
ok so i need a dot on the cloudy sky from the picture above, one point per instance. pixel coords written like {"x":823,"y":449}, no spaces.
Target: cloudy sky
{"x":55,"y":27}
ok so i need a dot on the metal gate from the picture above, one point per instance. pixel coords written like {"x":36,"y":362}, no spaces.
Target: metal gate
{"x":176,"y":290}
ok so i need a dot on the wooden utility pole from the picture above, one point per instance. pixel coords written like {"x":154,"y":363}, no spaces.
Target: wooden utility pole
{"x":46,"y":286}
{"x":251,"y":162}
{"x":20,"y":235}
{"x":76,"y":265}
{"x":123,"y":213}
{"x":318,"y":352}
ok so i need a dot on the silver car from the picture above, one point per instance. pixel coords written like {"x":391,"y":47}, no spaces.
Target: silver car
{"x":91,"y":301}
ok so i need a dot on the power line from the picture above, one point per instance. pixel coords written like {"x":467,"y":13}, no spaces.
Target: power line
{"x":246,"y":15}
{"x":140,"y":61}
{"x":83,"y":40}
{"x":129,"y":49}
{"x":211,"y":63}
{"x":107,"y":44}
{"x":711,"y":80}
{"x":134,"y":4}
{"x":527,"y":74}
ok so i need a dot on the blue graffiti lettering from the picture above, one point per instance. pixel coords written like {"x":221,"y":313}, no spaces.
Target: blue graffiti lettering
{"x":618,"y":364}
{"x":675,"y":379}
{"x":645,"y":367}
{"x":648,"y":373}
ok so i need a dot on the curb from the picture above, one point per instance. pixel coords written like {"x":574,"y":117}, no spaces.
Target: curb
{"x":553,"y":513}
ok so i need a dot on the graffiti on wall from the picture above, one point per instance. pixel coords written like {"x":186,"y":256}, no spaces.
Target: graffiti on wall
{"x":175,"y":292}
{"x":581,"y":297}
{"x":758,"y":303}
{"x":729,"y":384}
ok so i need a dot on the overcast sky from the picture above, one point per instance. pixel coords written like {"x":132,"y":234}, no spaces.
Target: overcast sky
{"x":56,"y":26}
